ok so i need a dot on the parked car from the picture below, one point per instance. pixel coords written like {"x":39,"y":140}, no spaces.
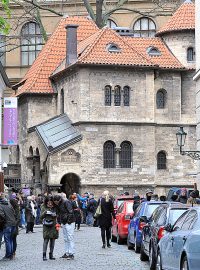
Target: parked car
{"x":120,"y":199}
{"x":120,"y":224}
{"x":137,"y":223}
{"x":154,"y":230}
{"x":179,"y":249}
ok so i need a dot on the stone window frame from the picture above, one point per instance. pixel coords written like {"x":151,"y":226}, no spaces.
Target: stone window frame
{"x":126,"y":95}
{"x":108,"y":95}
{"x":126,"y":153}
{"x":62,"y":101}
{"x":117,"y":95}
{"x":190,"y":54}
{"x":161,"y":160}
{"x":109,"y":160}
{"x":31,"y":42}
{"x":144,"y":27}
{"x":161,"y":103}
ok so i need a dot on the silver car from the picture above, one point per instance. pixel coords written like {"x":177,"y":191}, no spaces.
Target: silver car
{"x":179,"y":249}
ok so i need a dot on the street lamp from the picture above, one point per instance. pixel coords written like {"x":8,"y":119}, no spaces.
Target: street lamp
{"x":181,"y":136}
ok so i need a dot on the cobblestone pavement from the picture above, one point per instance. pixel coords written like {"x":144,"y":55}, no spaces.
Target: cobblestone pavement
{"x":89,"y":253}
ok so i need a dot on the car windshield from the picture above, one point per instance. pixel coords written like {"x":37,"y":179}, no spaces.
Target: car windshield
{"x":129,"y":207}
{"x":150,"y":208}
{"x":174,"y":214}
{"x":119,"y":202}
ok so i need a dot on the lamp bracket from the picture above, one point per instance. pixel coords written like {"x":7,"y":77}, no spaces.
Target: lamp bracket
{"x":193,"y":154}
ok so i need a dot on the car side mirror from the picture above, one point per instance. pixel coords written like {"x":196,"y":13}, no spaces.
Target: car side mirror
{"x":168,"y":228}
{"x":143,"y":219}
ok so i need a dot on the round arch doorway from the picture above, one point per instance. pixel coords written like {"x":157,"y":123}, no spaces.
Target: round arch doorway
{"x":70,"y":183}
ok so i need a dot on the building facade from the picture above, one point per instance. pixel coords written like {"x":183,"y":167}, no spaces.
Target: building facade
{"x":104,"y":113}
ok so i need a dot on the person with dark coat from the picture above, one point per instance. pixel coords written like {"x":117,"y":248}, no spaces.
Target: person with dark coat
{"x":67,"y":219}
{"x":7,"y":214}
{"x":182,"y":198}
{"x":77,"y":210}
{"x":30,"y":213}
{"x":105,"y":219}
{"x":91,"y":209}
{"x":136,"y":202}
{"x":48,"y":217}
{"x":16,"y":207}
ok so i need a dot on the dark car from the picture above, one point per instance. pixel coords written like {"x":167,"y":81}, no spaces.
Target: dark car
{"x":154,"y":229}
{"x":135,"y":227}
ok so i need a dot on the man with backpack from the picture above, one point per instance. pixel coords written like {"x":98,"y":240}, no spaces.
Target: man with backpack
{"x":91,"y":209}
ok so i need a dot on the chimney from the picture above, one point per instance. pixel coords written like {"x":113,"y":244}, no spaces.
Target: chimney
{"x":71,"y":44}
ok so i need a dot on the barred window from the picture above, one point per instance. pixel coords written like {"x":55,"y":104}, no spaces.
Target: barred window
{"x":117,"y":95}
{"x":144,"y":27}
{"x":161,"y":161}
{"x":108,"y":97}
{"x":190,"y":54}
{"x":161,"y":99}
{"x":126,"y":96}
{"x":31,"y":43}
{"x":126,"y":155}
{"x":109,"y":154}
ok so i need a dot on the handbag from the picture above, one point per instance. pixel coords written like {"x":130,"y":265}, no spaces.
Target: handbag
{"x":98,"y":212}
{"x":47,"y":222}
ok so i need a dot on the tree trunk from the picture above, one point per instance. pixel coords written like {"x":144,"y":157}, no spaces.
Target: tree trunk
{"x":99,"y":13}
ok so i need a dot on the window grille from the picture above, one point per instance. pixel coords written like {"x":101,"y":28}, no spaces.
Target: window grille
{"x":109,"y":154}
{"x":117,"y":96}
{"x":190,"y":54}
{"x":126,"y":155}
{"x":108,"y":98}
{"x":31,"y":43}
{"x":160,"y":99}
{"x":126,"y":96}
{"x":161,"y":161}
{"x":144,"y":27}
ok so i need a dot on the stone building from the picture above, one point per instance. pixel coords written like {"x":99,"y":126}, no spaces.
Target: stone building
{"x":100,"y":110}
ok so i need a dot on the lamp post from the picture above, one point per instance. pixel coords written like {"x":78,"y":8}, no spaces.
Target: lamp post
{"x":181,"y":136}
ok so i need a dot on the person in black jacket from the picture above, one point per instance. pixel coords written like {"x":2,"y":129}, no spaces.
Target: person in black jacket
{"x":67,"y":219}
{"x":105,"y":219}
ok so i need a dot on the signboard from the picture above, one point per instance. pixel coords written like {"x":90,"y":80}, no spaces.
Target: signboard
{"x":10,"y":121}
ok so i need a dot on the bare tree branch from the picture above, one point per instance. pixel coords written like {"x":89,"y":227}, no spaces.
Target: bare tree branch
{"x":43,"y":8}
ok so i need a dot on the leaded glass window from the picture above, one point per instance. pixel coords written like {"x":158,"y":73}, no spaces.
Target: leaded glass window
{"x":126,"y":155}
{"x":160,"y":99}
{"x":109,"y":154}
{"x":126,"y":96}
{"x":117,"y":95}
{"x":31,"y":43}
{"x":108,"y":95}
{"x":3,"y":49}
{"x":190,"y":54}
{"x":144,"y":27}
{"x":161,"y":161}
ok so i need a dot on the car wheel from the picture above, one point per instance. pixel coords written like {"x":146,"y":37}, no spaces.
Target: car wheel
{"x":152,"y":260}
{"x":158,"y":261}
{"x":129,"y":245}
{"x":143,"y":256}
{"x":119,"y":239}
{"x":184,"y":264}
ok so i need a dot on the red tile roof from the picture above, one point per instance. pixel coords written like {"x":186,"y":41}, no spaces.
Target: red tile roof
{"x":165,"y":60}
{"x":37,"y":79}
{"x":183,"y":19}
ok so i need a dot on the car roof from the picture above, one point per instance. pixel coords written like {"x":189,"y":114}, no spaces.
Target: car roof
{"x":175,"y":205}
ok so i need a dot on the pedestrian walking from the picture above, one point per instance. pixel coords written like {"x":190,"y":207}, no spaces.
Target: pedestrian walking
{"x":105,"y":219}
{"x":30,"y":213}
{"x":67,"y":219}
{"x":48,"y":217}
{"x":15,"y":204}
{"x":7,"y":214}
{"x":83,"y":201}
{"x":91,"y":209}
{"x":77,"y":211}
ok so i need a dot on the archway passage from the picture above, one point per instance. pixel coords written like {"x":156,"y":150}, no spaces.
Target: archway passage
{"x":70,"y":183}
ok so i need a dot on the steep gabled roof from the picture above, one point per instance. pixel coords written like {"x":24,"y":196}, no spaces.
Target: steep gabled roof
{"x":37,"y":79}
{"x":183,"y":19}
{"x":165,"y":60}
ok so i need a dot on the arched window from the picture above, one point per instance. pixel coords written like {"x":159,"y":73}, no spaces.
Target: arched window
{"x":3,"y":49}
{"x":31,"y":43}
{"x":161,"y":99}
{"x":111,"y":24}
{"x":161,"y":161}
{"x":109,"y":154}
{"x":126,"y":155}
{"x":62,"y":102}
{"x":30,"y":151}
{"x":144,"y":27}
{"x":117,"y":95}
{"x":126,"y":95}
{"x":190,"y":54}
{"x":108,"y":97}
